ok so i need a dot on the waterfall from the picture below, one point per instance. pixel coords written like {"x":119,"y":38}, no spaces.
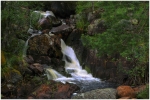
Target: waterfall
{"x":79,"y":76}
{"x":72,"y":64}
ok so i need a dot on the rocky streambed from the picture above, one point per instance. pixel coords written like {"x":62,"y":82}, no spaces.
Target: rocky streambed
{"x":43,"y":50}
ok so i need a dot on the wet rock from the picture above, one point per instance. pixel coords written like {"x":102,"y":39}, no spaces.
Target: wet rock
{"x":125,"y":91}
{"x":54,"y":90}
{"x":36,"y":68}
{"x":44,"y":45}
{"x":62,"y":31}
{"x":108,"y":93}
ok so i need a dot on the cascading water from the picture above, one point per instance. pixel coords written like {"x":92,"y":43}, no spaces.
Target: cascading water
{"x":72,"y":65}
{"x":79,"y":76}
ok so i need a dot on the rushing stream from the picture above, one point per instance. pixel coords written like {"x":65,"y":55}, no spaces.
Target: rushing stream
{"x":79,"y":76}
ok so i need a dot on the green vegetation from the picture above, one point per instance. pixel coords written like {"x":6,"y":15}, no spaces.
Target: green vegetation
{"x":127,"y":34}
{"x":15,"y":20}
{"x":144,"y":94}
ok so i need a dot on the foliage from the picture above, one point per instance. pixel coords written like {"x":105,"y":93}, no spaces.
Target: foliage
{"x":15,"y":21}
{"x":82,"y":5}
{"x":127,"y":33}
{"x":144,"y":94}
{"x":81,"y":17}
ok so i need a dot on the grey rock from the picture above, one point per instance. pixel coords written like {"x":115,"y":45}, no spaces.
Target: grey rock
{"x":107,"y":93}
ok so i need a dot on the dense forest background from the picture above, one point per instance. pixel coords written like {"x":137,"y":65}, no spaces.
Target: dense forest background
{"x":125,"y":34}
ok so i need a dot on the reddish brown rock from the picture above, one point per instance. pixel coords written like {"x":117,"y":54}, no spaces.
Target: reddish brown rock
{"x":54,"y":90}
{"x":125,"y":91}
{"x":44,"y":45}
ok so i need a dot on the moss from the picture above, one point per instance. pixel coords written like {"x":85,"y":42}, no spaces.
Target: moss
{"x":7,"y":73}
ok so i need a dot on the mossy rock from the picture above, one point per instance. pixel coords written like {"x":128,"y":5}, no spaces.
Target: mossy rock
{"x":11,"y":75}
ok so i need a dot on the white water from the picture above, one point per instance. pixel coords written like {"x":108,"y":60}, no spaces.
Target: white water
{"x":72,"y":66}
{"x":68,"y":53}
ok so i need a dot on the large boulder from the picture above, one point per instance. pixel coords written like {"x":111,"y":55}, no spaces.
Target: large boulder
{"x":125,"y":91}
{"x":44,"y":46}
{"x":54,"y":90}
{"x":107,"y":93}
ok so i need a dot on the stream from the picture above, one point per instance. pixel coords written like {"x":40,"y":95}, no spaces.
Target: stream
{"x":79,"y":76}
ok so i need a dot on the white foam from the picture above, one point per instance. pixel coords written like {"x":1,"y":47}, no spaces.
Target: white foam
{"x":78,"y":75}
